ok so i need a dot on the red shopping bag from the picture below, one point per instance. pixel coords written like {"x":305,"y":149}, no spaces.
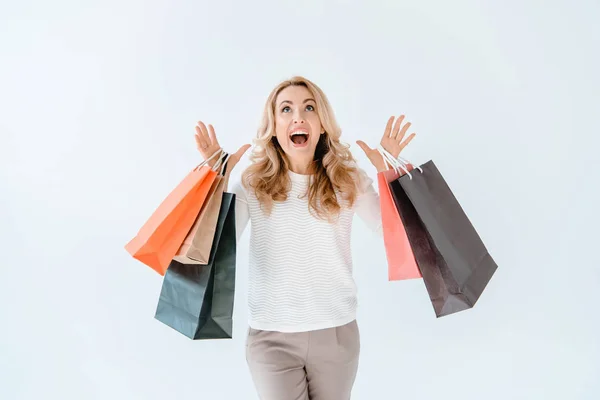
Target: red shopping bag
{"x":401,"y":261}
{"x":161,"y":236}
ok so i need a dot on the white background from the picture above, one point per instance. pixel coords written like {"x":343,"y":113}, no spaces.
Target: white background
{"x":98,"y":101}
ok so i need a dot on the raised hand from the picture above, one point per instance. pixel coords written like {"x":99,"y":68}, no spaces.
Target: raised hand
{"x":392,"y":141}
{"x":206,"y":141}
{"x":207,"y":144}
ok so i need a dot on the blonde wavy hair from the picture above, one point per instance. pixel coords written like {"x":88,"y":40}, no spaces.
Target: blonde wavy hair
{"x":333,"y":168}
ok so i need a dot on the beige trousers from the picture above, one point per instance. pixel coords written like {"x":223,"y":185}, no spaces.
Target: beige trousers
{"x":315,"y":365}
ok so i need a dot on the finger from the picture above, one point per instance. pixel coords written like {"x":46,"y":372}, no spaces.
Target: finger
{"x":397,"y":126}
{"x":407,"y":141}
{"x":203,"y":130}
{"x":204,"y":133}
{"x":364,"y":147}
{"x":242,"y":150}
{"x":212,"y":136}
{"x":402,"y":132}
{"x":199,"y":140}
{"x":235,"y":157}
{"x":388,"y":127}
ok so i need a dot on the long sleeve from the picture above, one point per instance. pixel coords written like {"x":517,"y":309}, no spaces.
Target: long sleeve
{"x":368,"y":206}
{"x":242,"y":213}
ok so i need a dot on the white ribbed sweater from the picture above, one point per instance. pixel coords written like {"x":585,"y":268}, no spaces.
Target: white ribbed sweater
{"x":300,"y":272}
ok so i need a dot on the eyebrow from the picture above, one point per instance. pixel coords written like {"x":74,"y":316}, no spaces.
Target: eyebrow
{"x":290,"y":102}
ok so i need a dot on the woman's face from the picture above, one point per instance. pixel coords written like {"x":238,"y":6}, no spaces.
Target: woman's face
{"x":297,"y":126}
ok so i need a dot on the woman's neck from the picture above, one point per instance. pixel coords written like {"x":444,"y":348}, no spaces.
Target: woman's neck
{"x":300,"y":168}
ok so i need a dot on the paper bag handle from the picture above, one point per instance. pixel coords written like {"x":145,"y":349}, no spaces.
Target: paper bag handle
{"x":396,"y":163}
{"x":203,"y":163}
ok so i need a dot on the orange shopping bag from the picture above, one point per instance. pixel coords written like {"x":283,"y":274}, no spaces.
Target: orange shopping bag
{"x":196,"y":246}
{"x":401,"y":261}
{"x":161,"y":236}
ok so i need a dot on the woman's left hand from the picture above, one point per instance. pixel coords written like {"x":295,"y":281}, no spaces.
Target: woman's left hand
{"x":392,"y":141}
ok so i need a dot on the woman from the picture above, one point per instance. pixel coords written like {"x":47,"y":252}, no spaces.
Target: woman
{"x":300,"y":193}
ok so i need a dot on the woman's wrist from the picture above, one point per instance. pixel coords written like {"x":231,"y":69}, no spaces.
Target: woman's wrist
{"x":381,"y":165}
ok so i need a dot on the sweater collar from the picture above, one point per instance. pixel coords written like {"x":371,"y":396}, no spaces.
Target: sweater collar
{"x":295,"y":177}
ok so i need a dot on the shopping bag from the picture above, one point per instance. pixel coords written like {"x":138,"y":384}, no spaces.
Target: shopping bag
{"x":158,"y":240}
{"x":196,"y":247}
{"x":197,"y":300}
{"x":401,"y":261}
{"x":455,"y":264}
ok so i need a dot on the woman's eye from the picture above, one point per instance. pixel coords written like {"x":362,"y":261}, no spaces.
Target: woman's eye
{"x":288,"y":109}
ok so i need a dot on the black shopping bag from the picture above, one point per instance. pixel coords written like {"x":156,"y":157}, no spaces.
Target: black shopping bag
{"x":197,"y":300}
{"x":451,"y":256}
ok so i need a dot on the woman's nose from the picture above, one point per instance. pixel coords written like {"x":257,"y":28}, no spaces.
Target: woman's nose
{"x":298,"y":119}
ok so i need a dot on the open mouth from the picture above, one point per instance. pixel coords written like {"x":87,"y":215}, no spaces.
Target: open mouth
{"x":299,"y":138}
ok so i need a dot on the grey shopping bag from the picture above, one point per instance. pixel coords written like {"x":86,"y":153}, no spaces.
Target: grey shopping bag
{"x":455,"y":264}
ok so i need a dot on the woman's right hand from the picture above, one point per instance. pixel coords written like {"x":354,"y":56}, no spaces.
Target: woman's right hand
{"x":207,"y":144}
